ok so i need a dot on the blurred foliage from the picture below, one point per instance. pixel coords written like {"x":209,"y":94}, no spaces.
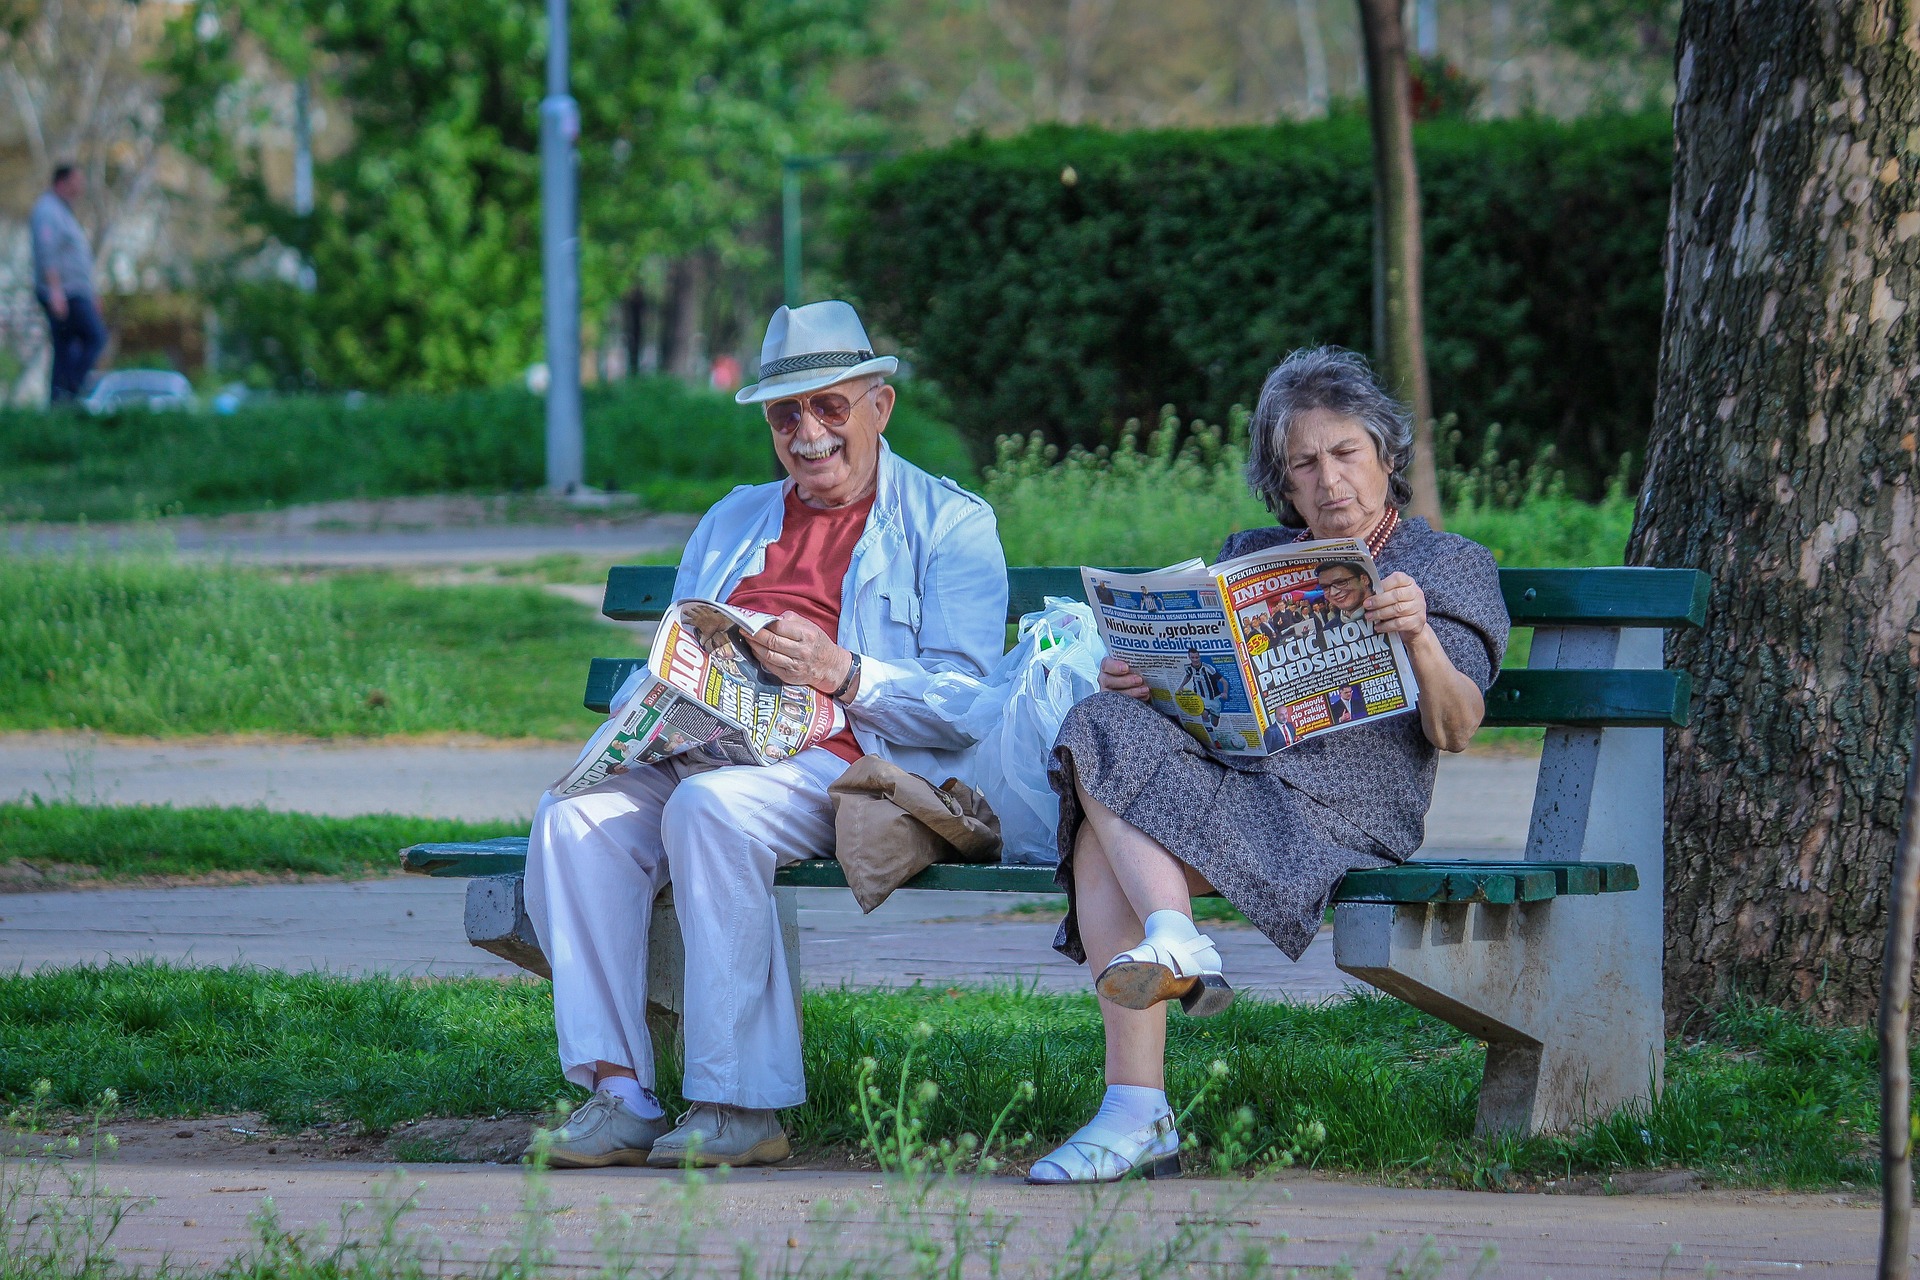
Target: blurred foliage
{"x":1127,"y":271}
{"x":679,"y":448}
{"x":424,"y":244}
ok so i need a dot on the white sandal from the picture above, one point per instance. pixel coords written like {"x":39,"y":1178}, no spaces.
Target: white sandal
{"x":1102,"y":1155}
{"x":1164,"y":969}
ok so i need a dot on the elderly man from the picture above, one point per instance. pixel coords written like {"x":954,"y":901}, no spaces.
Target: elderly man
{"x":882,"y":576}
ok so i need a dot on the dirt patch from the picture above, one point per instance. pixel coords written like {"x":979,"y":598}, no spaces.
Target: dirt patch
{"x":34,"y":877}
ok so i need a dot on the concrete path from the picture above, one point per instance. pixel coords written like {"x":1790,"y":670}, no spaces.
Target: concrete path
{"x":815,"y":1223}
{"x":451,"y":529}
{"x":1481,"y":802}
{"x":414,"y":925}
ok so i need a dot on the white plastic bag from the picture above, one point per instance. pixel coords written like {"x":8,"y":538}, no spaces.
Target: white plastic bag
{"x":1015,"y":714}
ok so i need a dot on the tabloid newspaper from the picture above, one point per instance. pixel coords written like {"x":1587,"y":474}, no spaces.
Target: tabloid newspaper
{"x":1256,"y":653}
{"x":702,"y":690}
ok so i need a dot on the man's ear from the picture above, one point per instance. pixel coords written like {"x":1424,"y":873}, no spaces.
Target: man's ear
{"x":883,"y":402}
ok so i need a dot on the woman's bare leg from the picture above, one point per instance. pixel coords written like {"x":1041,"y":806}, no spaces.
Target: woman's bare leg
{"x":1151,"y":878}
{"x":1136,"y":1038}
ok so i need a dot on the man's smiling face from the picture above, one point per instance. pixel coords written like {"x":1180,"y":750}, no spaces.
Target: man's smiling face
{"x":833,"y":465}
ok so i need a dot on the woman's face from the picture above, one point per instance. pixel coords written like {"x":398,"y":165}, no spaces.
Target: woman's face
{"x":1335,"y":477}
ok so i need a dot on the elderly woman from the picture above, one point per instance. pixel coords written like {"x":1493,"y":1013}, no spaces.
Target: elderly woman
{"x":1148,"y":816}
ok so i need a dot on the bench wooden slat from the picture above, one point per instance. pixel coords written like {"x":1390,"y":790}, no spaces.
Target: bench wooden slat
{"x":1614,"y":699}
{"x":1494,"y":883}
{"x":1614,"y":597}
{"x":1592,"y":699}
{"x":1629,"y":597}
{"x":638,"y":592}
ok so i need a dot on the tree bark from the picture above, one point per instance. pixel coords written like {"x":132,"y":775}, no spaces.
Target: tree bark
{"x":680,"y":343}
{"x":1313,"y":53}
{"x":1782,"y":462}
{"x":1400,"y":337}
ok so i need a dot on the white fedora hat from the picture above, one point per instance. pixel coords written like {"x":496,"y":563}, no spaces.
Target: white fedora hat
{"x":811,"y":347}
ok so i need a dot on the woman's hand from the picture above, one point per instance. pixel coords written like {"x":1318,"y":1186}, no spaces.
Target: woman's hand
{"x":1117,"y":677}
{"x":795,"y":651}
{"x":1399,"y":606}
{"x":1451,"y":706}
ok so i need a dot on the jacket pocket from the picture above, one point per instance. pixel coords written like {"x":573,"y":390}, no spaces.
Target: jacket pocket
{"x":903,"y":605}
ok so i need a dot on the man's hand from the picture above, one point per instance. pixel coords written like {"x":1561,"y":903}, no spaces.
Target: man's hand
{"x":794,"y":651}
{"x":57,"y":302}
{"x":1117,"y":677}
{"x":1400,"y":605}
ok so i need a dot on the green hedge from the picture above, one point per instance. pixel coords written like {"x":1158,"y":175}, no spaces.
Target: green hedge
{"x":679,"y":448}
{"x":1178,"y":267}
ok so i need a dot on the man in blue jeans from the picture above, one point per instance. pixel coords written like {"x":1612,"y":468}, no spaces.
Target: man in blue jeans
{"x":63,"y":281}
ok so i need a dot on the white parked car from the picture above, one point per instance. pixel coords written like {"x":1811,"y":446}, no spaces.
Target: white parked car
{"x":139,"y":388}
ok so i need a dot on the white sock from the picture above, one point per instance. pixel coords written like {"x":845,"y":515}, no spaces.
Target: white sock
{"x":633,"y":1096}
{"x":1174,"y":926}
{"x":1131,"y":1106}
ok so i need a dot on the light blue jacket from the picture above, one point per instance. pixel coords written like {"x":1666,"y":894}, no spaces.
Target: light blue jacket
{"x":925,"y":593}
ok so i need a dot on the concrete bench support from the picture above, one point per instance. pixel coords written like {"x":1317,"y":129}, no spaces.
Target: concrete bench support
{"x":497,"y":922}
{"x":1567,"y":992}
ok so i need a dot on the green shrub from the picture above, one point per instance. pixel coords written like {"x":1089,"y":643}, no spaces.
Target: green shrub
{"x":1066,"y":280}
{"x":679,"y":448}
{"x":1181,"y":493}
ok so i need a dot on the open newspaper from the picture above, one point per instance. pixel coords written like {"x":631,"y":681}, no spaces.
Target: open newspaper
{"x":1256,"y":653}
{"x":703,"y":690}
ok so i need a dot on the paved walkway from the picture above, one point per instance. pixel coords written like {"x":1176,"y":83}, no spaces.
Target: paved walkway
{"x":1481,"y":802}
{"x":448,"y":529}
{"x":415,"y":926}
{"x":815,"y":1223}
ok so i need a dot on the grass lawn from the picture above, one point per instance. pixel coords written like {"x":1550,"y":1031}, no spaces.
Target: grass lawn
{"x":1761,"y":1098}
{"x":130,"y":841}
{"x":679,"y":448}
{"x":145,"y":645}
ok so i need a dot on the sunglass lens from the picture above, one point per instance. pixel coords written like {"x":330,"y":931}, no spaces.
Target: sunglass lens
{"x":832,"y":409}
{"x":784,"y":415}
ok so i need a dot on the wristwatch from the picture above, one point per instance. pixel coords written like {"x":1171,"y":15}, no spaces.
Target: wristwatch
{"x":853,"y":677}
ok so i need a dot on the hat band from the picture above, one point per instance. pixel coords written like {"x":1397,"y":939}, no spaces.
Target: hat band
{"x":813,"y":360}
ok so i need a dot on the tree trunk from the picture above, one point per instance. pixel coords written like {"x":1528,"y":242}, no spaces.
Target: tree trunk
{"x":1782,"y":462}
{"x":680,"y":353}
{"x":1313,"y":52}
{"x":1399,"y":330}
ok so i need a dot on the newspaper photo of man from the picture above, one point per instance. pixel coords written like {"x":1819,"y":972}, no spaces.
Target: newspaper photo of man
{"x":1345,"y":585}
{"x":1209,"y":685}
{"x":1346,"y":704}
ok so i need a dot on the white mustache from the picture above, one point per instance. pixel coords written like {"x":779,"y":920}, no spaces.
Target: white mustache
{"x":814,"y":449}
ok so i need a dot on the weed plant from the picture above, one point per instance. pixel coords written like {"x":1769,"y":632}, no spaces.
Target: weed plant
{"x":125,"y":841}
{"x":144,"y":644}
{"x":1759,"y":1097}
{"x":1178,"y":493}
{"x":679,"y":448}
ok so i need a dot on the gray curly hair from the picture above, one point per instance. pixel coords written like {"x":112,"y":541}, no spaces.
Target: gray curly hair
{"x":1338,"y":380}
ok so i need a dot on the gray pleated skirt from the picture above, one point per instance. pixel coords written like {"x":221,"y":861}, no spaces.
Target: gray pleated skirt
{"x":1270,"y":849}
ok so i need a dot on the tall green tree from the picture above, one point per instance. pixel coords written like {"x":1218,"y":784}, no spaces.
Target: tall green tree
{"x":421,"y":257}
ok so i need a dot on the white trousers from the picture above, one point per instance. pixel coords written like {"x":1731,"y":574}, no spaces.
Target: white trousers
{"x":594,"y":864}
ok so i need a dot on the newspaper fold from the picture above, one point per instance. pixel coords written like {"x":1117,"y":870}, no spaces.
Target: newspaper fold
{"x":702,"y":690}
{"x":1254,"y":654}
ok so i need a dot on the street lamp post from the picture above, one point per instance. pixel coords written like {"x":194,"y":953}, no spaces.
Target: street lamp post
{"x":560,"y":260}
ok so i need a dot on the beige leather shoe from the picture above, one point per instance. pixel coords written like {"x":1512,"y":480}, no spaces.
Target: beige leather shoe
{"x":710,"y":1135}
{"x":602,"y":1132}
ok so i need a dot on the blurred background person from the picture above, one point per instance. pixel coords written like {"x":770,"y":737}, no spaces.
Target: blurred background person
{"x":63,"y":282}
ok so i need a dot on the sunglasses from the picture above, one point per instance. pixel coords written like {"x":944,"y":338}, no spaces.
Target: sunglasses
{"x":829,"y":409}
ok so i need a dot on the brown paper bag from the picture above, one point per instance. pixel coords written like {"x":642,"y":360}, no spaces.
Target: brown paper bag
{"x":890,"y":825}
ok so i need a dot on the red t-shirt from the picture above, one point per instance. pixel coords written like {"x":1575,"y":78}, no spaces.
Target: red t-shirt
{"x":805,"y":569}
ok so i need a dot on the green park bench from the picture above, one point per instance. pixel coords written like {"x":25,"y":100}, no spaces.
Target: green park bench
{"x":1553,"y":958}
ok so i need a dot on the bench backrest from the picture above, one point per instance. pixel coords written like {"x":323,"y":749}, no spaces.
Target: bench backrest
{"x":1611,"y":598}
